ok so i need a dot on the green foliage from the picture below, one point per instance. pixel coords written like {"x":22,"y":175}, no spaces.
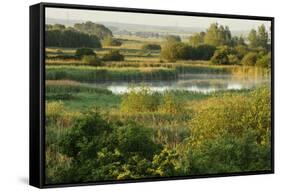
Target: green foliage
{"x":113,"y":55}
{"x":80,"y":52}
{"x":149,"y":47}
{"x":173,"y":51}
{"x":217,"y":35}
{"x":170,"y":104}
{"x":233,"y":59}
{"x":258,"y":38}
{"x":264,"y":61}
{"x":197,"y":39}
{"x":166,"y":163}
{"x":92,"y":61}
{"x":109,"y":41}
{"x":220,"y":57}
{"x":91,"y":28}
{"x":237,"y":41}
{"x":249,"y":59}
{"x":104,"y":151}
{"x":237,"y":138}
{"x":139,"y":100}
{"x":101,"y":74}
{"x":71,"y":38}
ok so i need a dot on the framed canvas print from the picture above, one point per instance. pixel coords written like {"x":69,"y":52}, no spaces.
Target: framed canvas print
{"x":129,"y":95}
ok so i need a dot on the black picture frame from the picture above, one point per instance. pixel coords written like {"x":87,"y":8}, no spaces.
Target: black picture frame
{"x":37,"y":92}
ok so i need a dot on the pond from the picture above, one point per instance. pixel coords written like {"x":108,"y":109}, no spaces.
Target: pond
{"x":204,"y":83}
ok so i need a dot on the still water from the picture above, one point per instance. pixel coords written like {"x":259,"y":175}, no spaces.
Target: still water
{"x":204,"y":83}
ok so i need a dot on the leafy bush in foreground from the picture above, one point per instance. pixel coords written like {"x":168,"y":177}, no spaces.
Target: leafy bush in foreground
{"x":231,"y":134}
{"x":100,"y":150}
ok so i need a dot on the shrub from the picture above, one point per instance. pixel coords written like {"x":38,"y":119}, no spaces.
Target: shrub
{"x":172,"y":51}
{"x":249,"y":59}
{"x":170,"y":104}
{"x":102,"y":150}
{"x":220,"y":57}
{"x":231,"y":134}
{"x":147,"y":47}
{"x":139,"y":100}
{"x":92,"y":61}
{"x":113,"y":55}
{"x":264,"y":61}
{"x":80,"y":52}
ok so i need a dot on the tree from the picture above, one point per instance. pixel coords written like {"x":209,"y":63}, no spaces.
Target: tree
{"x":91,"y":28}
{"x":71,"y":38}
{"x":253,"y":38}
{"x":237,"y":41}
{"x":197,"y":39}
{"x":217,"y":35}
{"x":172,"y":50}
{"x":258,"y":38}
{"x":262,"y":37}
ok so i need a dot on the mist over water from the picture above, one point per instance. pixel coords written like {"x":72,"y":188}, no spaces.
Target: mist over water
{"x":203,"y":83}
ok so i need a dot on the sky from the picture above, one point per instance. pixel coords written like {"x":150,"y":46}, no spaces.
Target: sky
{"x":150,"y":19}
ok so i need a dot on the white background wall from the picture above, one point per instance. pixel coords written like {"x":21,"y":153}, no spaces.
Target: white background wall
{"x":14,"y":90}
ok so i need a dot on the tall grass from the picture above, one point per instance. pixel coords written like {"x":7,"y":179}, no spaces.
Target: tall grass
{"x":103,"y":74}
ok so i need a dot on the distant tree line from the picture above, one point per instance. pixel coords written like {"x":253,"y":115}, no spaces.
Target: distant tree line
{"x":86,"y":34}
{"x":218,"y":45}
{"x":71,"y":38}
{"x":91,"y":28}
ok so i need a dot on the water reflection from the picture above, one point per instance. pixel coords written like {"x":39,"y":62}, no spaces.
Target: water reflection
{"x":204,"y":83}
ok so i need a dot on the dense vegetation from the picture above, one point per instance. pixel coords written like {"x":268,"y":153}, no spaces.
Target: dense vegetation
{"x":71,"y":38}
{"x":96,"y":134}
{"x":93,"y":145}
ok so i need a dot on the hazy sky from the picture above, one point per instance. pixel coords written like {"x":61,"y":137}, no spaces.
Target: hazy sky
{"x":150,"y":19}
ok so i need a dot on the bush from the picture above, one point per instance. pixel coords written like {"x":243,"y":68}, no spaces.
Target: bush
{"x":172,"y":51}
{"x":231,"y":134}
{"x":92,"y":61}
{"x":139,"y":100}
{"x":170,"y":104}
{"x":113,"y":55}
{"x":148,"y":47}
{"x":264,"y":61}
{"x":102,"y":150}
{"x":249,"y":59}
{"x":203,"y":52}
{"x":80,"y":52}
{"x":220,"y":57}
